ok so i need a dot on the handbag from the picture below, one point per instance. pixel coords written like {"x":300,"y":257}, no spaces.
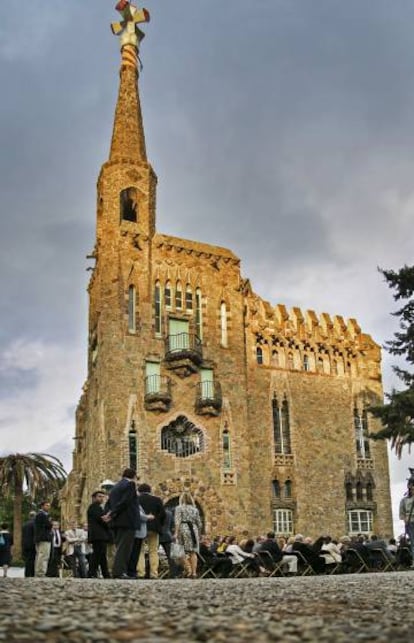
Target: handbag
{"x":177,"y":551}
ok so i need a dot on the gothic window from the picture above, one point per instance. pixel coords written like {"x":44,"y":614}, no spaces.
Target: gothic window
{"x":290,"y":362}
{"x":223,"y":324}
{"x":259,"y":355}
{"x":288,"y":489}
{"x":129,"y":204}
{"x":276,"y":488}
{"x":157,"y":305}
{"x":360,"y":521}
{"x":182,"y":438}
{"x":226,"y":450}
{"x":133,"y":447}
{"x":370,"y":495}
{"x":361,"y":434}
{"x":319,"y":365}
{"x":334,"y":367}
{"x":167,"y":294}
{"x":359,"y":491}
{"x":306,"y":365}
{"x":283,"y":522}
{"x":348,"y":491}
{"x":198,"y":314}
{"x":131,"y":309}
{"x":178,"y":296}
{"x":275,"y":358}
{"x":188,"y":298}
{"x":281,"y":427}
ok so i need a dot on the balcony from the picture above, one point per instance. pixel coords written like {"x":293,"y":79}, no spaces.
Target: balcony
{"x":157,"y":393}
{"x":208,"y":398}
{"x":183,"y":353}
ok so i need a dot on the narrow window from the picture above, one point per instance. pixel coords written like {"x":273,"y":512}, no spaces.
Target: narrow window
{"x":167,"y":294}
{"x":320,"y":365}
{"x":226,"y":450}
{"x":133,"y":447}
{"x":281,"y":427}
{"x":370,"y":495}
{"x":198,"y":314}
{"x":306,"y":363}
{"x":152,"y":377}
{"x":259,"y":355}
{"x":157,"y":302}
{"x":290,"y":363}
{"x":207,"y":383}
{"x":361,"y":434}
{"x":188,"y":298}
{"x":131,"y":309}
{"x":178,"y":296}
{"x":359,"y":494}
{"x":288,"y":489}
{"x":276,"y":488}
{"x":129,"y":205}
{"x":348,"y":492}
{"x":275,"y":359}
{"x":223,"y":324}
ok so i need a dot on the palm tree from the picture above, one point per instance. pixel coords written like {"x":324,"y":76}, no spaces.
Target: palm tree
{"x":28,"y":473}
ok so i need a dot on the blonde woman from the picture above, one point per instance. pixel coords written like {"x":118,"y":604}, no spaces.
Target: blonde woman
{"x":187,"y":531}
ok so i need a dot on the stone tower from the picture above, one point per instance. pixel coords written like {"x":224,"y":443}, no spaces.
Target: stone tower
{"x":198,"y":383}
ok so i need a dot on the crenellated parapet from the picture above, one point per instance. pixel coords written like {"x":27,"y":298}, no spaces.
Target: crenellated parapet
{"x":303,"y":340}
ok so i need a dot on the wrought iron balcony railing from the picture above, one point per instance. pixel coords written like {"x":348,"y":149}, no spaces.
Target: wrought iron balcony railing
{"x":183,"y":346}
{"x":157,"y":389}
{"x":209,"y":395}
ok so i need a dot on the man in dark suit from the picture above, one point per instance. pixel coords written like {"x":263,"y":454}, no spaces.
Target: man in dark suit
{"x":151,"y":505}
{"x":55,"y":551}
{"x":271,"y":546}
{"x":28,"y":546}
{"x":123,"y":513}
{"x":43,"y":538}
{"x":98,"y":535}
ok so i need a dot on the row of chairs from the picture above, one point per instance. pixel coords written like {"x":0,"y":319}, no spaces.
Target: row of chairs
{"x":376,"y":560}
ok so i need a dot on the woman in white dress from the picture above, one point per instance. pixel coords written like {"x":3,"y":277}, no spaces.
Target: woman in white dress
{"x":187,"y":531}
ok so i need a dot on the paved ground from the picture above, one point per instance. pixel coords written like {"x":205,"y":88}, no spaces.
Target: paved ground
{"x":364,"y":607}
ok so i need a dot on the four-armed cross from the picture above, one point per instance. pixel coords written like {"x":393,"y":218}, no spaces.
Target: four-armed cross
{"x":128,"y":28}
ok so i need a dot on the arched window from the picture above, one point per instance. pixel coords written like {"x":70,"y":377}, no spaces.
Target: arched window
{"x":189,"y":297}
{"x":168,"y":294}
{"x":369,"y":488}
{"x":359,"y":491}
{"x":259,"y":355}
{"x":132,"y":309}
{"x":223,"y":324}
{"x":349,"y":491}
{"x":290,"y":362}
{"x":334,"y":367}
{"x":133,"y":447}
{"x":319,"y":365}
{"x":288,"y":489}
{"x":306,"y":366}
{"x":157,"y":305}
{"x":281,"y":427}
{"x":275,"y":358}
{"x":129,"y":204}
{"x":226,"y":450}
{"x":178,"y":296}
{"x":276,"y":488}
{"x":361,"y":434}
{"x":182,"y":438}
{"x":198,"y":314}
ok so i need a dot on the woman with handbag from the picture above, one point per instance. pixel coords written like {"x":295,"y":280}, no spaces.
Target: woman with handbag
{"x":187,"y":531}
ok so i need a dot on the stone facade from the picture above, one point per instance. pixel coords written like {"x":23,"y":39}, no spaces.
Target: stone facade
{"x":202,"y":385}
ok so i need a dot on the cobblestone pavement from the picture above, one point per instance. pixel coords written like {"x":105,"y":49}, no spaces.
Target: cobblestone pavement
{"x":364,"y":607}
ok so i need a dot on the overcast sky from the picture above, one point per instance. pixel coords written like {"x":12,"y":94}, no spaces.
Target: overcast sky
{"x":282,"y":129}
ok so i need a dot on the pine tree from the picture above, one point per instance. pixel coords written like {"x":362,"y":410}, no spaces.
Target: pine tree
{"x":397,"y":414}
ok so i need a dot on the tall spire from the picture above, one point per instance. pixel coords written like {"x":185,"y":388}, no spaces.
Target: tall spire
{"x":128,"y":139}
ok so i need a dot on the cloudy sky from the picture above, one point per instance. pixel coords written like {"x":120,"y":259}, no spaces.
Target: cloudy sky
{"x":282,"y":129}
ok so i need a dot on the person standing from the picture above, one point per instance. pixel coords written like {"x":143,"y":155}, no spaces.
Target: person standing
{"x":6,"y":543}
{"x":123,"y":514}
{"x":98,"y":535}
{"x":55,"y":551}
{"x":43,"y":538}
{"x":76,"y":538}
{"x":151,"y":505}
{"x":166,"y":537}
{"x":187,"y":531}
{"x":407,"y":515}
{"x":29,"y":546}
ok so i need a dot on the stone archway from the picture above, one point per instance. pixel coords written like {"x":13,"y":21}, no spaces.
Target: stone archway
{"x":215,"y":516}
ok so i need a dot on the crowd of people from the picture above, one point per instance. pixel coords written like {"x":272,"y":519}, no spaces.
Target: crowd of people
{"x":145,"y":539}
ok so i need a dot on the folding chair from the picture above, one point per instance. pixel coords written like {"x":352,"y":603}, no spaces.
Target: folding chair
{"x":383,"y":562}
{"x":205,"y":568}
{"x":304,"y":567}
{"x":355,"y":562}
{"x":275,"y":568}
